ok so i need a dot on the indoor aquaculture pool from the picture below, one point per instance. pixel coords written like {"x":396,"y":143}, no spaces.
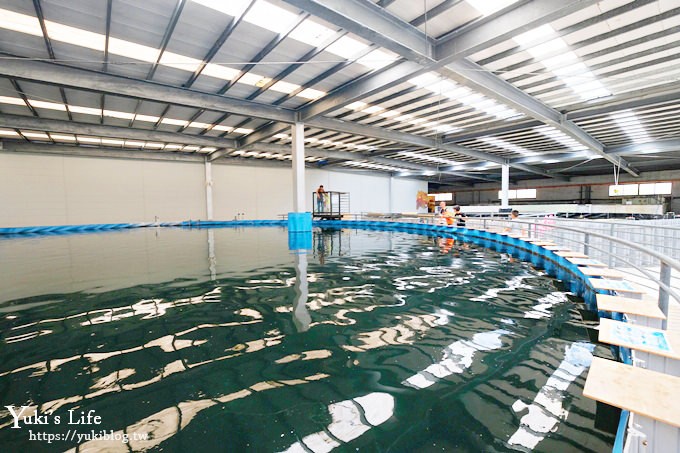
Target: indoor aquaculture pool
{"x":223,"y":339}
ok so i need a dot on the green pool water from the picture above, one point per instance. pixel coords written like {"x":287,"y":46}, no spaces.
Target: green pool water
{"x":224,"y":340}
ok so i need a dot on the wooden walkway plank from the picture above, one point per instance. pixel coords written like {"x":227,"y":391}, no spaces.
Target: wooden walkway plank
{"x":642,"y":307}
{"x":641,"y":391}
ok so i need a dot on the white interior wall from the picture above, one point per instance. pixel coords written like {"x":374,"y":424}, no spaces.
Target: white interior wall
{"x":68,"y":190}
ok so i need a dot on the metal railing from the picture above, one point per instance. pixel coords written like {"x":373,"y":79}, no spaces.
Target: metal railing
{"x":330,"y":204}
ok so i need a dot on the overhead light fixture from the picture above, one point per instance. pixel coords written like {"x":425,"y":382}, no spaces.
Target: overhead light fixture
{"x":346,"y":47}
{"x":63,"y":138}
{"x":311,"y":94}
{"x":372,"y":109}
{"x":425,"y":80}
{"x":630,"y":124}
{"x":269,"y":16}
{"x":312,"y":33}
{"x":357,"y":105}
{"x":284,"y":87}
{"x":497,"y":142}
{"x":377,"y":59}
{"x":232,"y":8}
{"x":487,"y":7}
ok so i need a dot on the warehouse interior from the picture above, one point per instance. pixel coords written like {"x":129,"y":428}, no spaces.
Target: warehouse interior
{"x":247,"y":209}
{"x":111,"y":110}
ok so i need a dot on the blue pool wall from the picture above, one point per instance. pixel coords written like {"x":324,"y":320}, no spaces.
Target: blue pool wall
{"x":553,"y":264}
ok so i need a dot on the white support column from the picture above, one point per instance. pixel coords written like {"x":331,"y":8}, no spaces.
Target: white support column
{"x":298,"y":153}
{"x":391,"y":199}
{"x":505,"y":185}
{"x":208,"y":189}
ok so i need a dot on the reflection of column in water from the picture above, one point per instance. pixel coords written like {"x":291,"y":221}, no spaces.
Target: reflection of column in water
{"x":301,"y":317}
{"x":546,"y":410}
{"x":212,"y":260}
{"x":350,"y":419}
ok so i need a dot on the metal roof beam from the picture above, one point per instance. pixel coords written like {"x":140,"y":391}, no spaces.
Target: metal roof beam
{"x":375,"y":24}
{"x":372,"y":23}
{"x":115,"y":153}
{"x":99,"y":130}
{"x":84,"y":79}
{"x":91,"y":80}
{"x":521,"y":19}
{"x":495,"y":87}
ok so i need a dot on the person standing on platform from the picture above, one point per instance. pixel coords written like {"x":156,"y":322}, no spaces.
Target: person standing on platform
{"x":320,"y":194}
{"x":445,"y":215}
{"x":514,"y":227}
{"x":459,"y":216}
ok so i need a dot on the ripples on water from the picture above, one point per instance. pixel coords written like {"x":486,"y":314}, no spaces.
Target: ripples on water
{"x":206,"y":340}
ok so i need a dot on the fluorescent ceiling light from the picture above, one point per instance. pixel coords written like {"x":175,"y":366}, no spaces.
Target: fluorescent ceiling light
{"x":629,"y":123}
{"x":312,"y":33}
{"x":112,"y":141}
{"x":47,"y":105}
{"x":346,"y":47}
{"x":12,"y":101}
{"x":116,"y":114}
{"x":390,"y":113}
{"x":535,"y":35}
{"x":446,"y":129}
{"x":270,"y":17}
{"x":173,"y":60}
{"x":560,"y":60}
{"x":372,"y":109}
{"x":548,"y":47}
{"x":173,"y":146}
{"x":472,"y":99}
{"x":310,"y":93}
{"x":284,"y":87}
{"x":93,"y":140}
{"x":487,"y":7}
{"x":254,"y":80}
{"x":133,"y":50}
{"x":20,"y":22}
{"x":377,"y":59}
{"x":77,"y":36}
{"x":222,"y":128}
{"x":133,"y":143}
{"x":577,"y":68}
{"x":497,"y":142}
{"x":147,"y":118}
{"x":36,"y":135}
{"x":357,"y":105}
{"x":241,"y":130}
{"x":199,"y":125}
{"x":84,"y":110}
{"x":425,"y":157}
{"x":174,"y":122}
{"x":424,"y":80}
{"x":63,"y":138}
{"x":188,"y":148}
{"x":219,"y":72}
{"x":154,"y":145}
{"x":231,"y":7}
